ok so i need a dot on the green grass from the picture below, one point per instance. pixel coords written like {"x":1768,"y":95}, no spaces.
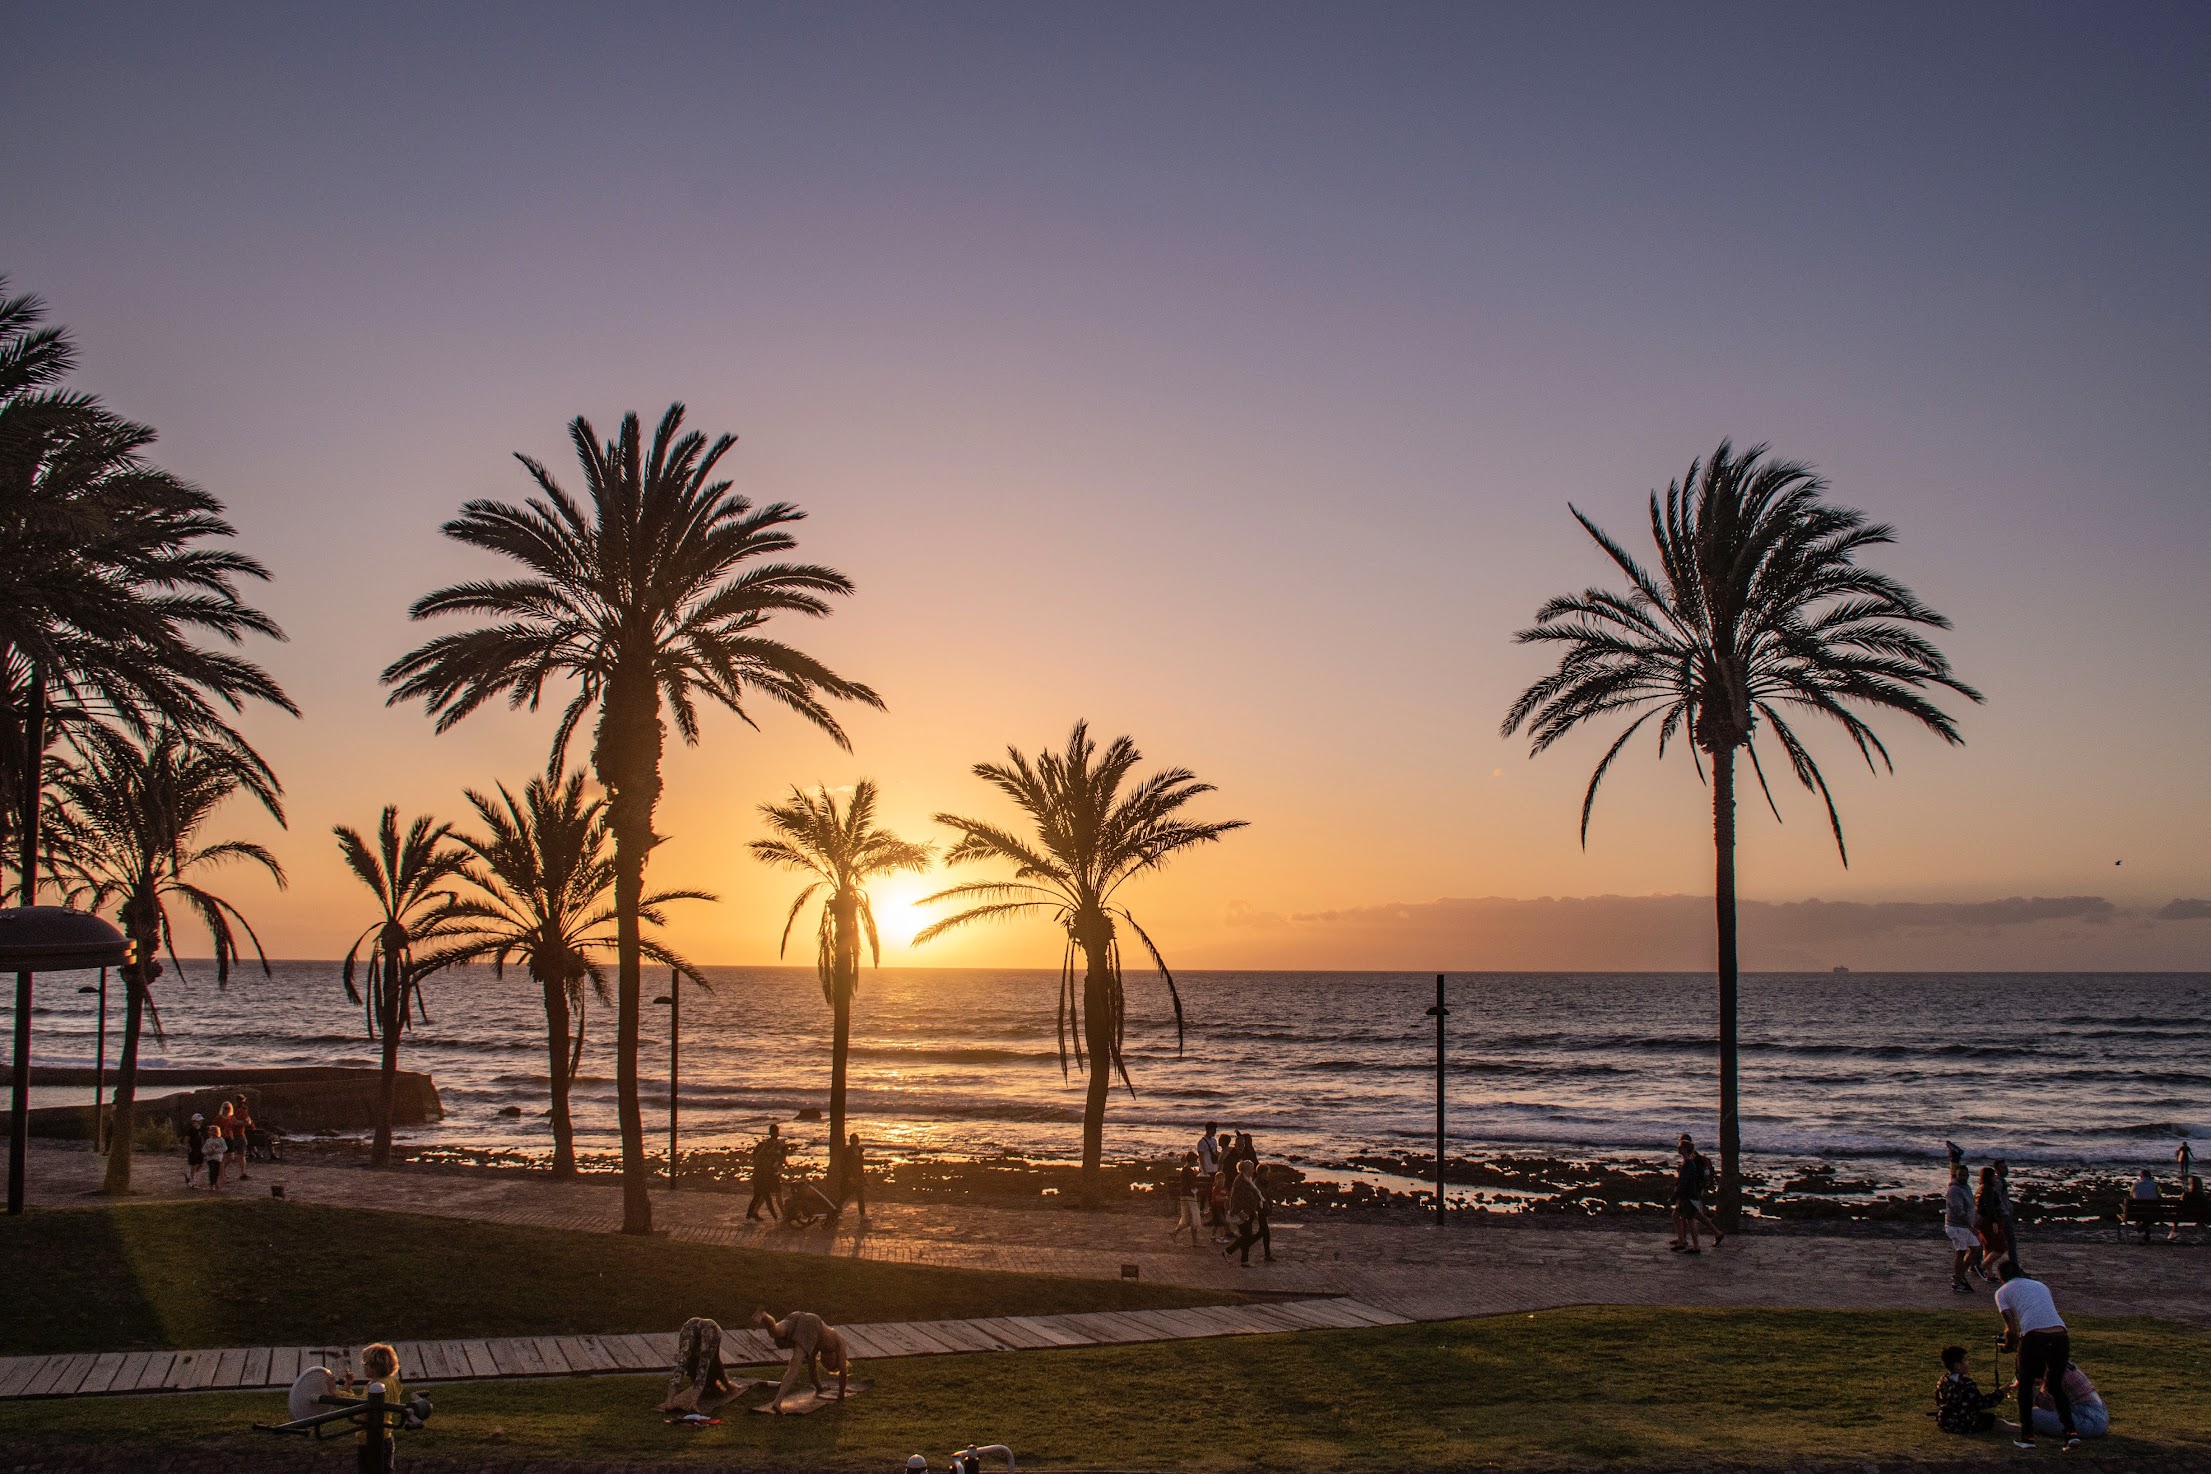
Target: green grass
{"x":1611,"y":1386}
{"x":265,"y":1273}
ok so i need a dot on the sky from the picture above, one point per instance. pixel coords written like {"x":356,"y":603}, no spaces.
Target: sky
{"x":1222,"y":376}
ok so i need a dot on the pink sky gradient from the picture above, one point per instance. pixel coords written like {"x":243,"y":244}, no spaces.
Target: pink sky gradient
{"x":1222,"y":377}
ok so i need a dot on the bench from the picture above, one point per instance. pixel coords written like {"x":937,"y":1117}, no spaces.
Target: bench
{"x":2146,"y":1213}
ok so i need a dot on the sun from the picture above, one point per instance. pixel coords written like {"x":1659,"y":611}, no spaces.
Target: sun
{"x":897,"y":912}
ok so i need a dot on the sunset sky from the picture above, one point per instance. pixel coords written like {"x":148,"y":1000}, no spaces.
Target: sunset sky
{"x":1221,"y":376}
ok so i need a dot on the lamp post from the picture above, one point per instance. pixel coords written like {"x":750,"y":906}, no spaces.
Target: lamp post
{"x":1439,"y":1013}
{"x":673,"y":998}
{"x":35,"y":939}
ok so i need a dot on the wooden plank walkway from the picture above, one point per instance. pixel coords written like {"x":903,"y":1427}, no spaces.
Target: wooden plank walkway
{"x":112,"y":1373}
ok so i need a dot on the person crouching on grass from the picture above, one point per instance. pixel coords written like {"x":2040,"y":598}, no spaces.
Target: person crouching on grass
{"x":2033,"y":1330}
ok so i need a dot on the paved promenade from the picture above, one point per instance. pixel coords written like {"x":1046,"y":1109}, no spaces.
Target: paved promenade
{"x":1473,"y":1267}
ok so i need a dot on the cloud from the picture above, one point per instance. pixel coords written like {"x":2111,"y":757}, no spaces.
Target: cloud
{"x":1635,"y":933}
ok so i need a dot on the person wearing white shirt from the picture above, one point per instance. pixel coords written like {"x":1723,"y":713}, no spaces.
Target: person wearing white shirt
{"x":2033,"y":1328}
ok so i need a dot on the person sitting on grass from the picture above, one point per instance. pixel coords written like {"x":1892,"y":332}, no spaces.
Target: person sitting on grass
{"x":811,"y":1341}
{"x":2090,"y":1415}
{"x":1960,"y":1404}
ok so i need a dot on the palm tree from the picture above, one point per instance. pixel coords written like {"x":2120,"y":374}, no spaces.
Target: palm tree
{"x":545,"y":879}
{"x":133,"y":815}
{"x":407,"y":875}
{"x":107,"y":578}
{"x":1758,"y":606}
{"x":842,"y":851}
{"x":1091,"y":838}
{"x":652,"y":594}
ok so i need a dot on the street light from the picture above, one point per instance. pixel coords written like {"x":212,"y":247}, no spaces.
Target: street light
{"x":673,"y":1001}
{"x":1439,"y":1013}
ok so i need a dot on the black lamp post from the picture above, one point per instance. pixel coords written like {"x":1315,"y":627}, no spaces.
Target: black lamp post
{"x":1439,"y":1013}
{"x":36,"y":939}
{"x":673,"y":999}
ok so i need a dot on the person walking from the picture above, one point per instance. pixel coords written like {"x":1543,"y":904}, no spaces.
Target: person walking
{"x":768,"y":1157}
{"x":1247,"y":1204}
{"x":2005,"y":1211}
{"x":1957,"y":1226}
{"x":2033,"y":1329}
{"x":1988,"y":1220}
{"x":216,"y":1149}
{"x":1187,"y":1215}
{"x":1692,"y":1176}
{"x":241,"y":1135}
{"x":195,"y":1147}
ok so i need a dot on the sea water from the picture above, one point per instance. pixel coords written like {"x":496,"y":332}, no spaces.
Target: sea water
{"x":1872,"y":1071}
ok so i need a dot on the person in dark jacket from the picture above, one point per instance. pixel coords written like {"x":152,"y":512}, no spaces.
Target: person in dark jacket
{"x":1960,"y":1404}
{"x":1247,"y":1204}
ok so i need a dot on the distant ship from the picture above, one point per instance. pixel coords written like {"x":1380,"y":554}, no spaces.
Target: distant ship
{"x":1841,"y":969}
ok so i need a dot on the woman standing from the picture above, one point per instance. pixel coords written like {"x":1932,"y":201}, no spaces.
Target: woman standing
{"x":1187,"y":1215}
{"x":1988,"y":1219}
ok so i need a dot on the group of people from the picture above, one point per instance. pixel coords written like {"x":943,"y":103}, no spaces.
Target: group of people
{"x":2055,"y":1397}
{"x":232,"y":1137}
{"x":798,"y":1201}
{"x":698,"y":1383}
{"x":1218,"y":1188}
{"x":2192,"y":1206}
{"x":1979,"y":1224}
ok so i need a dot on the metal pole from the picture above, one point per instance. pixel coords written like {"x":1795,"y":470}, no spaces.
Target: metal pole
{"x":99,"y":1072}
{"x":19,"y":1092}
{"x":1439,"y":1013}
{"x":675,"y":1045}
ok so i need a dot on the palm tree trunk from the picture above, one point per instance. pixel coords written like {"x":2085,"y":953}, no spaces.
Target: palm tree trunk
{"x":392,"y":1015}
{"x":1723,"y":902}
{"x":556,"y":1048}
{"x":123,"y":1123}
{"x":844,"y":977}
{"x":1097,"y":1023}
{"x":628,"y":761}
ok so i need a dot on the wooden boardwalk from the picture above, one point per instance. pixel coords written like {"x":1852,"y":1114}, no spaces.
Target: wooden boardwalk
{"x":111,"y":1373}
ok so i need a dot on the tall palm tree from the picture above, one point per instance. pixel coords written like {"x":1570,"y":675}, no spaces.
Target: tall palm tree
{"x":1091,"y":838}
{"x":544,"y":884}
{"x":133,"y":815}
{"x":654,"y":593}
{"x":409,"y":875}
{"x":1758,"y":607}
{"x":109,"y":576}
{"x":842,"y":850}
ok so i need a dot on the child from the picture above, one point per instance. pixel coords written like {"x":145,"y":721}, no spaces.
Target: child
{"x":195,"y":1147}
{"x":1960,"y":1405}
{"x":215,"y":1150}
{"x":379,"y":1363}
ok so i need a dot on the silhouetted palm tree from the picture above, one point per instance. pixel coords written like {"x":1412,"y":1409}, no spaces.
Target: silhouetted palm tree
{"x":843,"y":850}
{"x":1091,"y":838}
{"x":546,"y":883}
{"x":410,"y":876}
{"x":1758,"y":605}
{"x":133,"y":816}
{"x":651,"y":593}
{"x":107,"y":579}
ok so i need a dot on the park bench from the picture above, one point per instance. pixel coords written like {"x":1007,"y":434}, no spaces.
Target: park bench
{"x":2146,"y":1213}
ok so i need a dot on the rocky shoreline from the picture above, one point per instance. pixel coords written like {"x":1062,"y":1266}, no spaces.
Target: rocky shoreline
{"x":1505,"y":1188}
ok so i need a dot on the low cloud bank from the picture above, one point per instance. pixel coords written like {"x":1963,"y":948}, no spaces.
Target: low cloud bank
{"x":1629,"y":933}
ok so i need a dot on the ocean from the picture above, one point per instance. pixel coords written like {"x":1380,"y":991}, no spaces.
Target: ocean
{"x":1872,"y":1072}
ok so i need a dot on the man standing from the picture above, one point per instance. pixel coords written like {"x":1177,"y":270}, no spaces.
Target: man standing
{"x":2033,"y":1330}
{"x":1209,"y":1167}
{"x":767,"y":1174}
{"x":852,"y":1179}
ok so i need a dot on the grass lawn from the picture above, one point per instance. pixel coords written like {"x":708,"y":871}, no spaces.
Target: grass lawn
{"x":1611,"y":1386}
{"x":256,"y":1272}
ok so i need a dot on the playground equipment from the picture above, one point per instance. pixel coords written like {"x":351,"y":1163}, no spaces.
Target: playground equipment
{"x":371,"y":1415}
